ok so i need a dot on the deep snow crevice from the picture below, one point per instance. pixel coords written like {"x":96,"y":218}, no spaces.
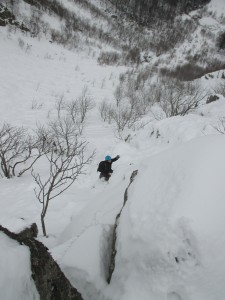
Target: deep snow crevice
{"x":114,"y":237}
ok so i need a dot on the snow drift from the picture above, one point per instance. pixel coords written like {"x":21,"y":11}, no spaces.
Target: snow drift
{"x":171,"y":231}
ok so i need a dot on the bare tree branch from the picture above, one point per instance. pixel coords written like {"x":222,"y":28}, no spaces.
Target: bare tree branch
{"x":66,"y":161}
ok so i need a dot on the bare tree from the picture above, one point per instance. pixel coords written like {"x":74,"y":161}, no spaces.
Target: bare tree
{"x":64,"y":169}
{"x":30,"y":156}
{"x":118,"y":94}
{"x":178,"y":98}
{"x":11,"y":147}
{"x":220,"y":127}
{"x":17,"y":148}
{"x":63,"y":132}
{"x":125,"y":116}
{"x":85,"y":104}
{"x":122,"y":116}
{"x":65,"y":155}
{"x":64,"y":128}
{"x":106,"y":111}
{"x":77,"y":109}
{"x":103,"y":110}
{"x":220,"y":89}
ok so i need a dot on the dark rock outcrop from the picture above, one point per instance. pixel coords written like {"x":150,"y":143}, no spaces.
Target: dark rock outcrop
{"x":212,"y":98}
{"x":7,"y":17}
{"x":50,"y":281}
{"x":114,"y":251}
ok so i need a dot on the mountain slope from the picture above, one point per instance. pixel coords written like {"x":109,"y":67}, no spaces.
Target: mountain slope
{"x":170,"y":234}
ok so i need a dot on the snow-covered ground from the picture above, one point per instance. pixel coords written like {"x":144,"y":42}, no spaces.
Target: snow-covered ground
{"x":171,"y":233}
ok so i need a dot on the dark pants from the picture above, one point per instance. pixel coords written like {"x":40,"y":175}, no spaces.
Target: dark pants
{"x":106,"y":176}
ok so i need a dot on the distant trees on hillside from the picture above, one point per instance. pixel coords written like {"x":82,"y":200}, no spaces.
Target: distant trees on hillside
{"x":136,"y":97}
{"x":177,"y":98}
{"x":147,"y":11}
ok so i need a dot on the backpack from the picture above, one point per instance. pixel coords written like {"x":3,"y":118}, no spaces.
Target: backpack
{"x":101,"y":167}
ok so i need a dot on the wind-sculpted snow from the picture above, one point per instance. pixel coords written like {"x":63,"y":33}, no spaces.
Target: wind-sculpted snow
{"x":170,"y":239}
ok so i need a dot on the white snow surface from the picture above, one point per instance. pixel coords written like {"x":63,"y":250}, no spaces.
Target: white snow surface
{"x":171,"y":231}
{"x":217,"y":7}
{"x":15,"y":275}
{"x":170,"y":237}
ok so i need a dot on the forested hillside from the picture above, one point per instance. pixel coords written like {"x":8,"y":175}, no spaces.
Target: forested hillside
{"x":148,"y":12}
{"x":156,"y":32}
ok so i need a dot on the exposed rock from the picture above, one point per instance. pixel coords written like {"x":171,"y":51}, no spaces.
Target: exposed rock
{"x":50,"y":281}
{"x":114,"y":251}
{"x":6,"y":17}
{"x":212,"y":98}
{"x":30,"y":232}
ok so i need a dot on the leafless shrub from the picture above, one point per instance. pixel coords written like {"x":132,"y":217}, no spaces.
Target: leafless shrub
{"x":36,"y":105}
{"x":130,"y":105}
{"x":85,"y":104}
{"x":109,"y":58}
{"x":119,"y":94}
{"x":63,"y":131}
{"x":138,"y":97}
{"x":178,"y":98}
{"x":220,"y":89}
{"x":18,"y":150}
{"x":77,"y":109}
{"x":102,"y":109}
{"x":70,"y":120}
{"x":122,"y":117}
{"x":132,"y":56}
{"x":65,"y":165}
{"x":220,"y":126}
{"x":45,"y":138}
{"x":106,"y":111}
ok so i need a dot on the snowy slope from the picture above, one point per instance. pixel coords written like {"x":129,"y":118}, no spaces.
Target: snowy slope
{"x":171,"y":230}
{"x":15,"y":275}
{"x":217,"y":7}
